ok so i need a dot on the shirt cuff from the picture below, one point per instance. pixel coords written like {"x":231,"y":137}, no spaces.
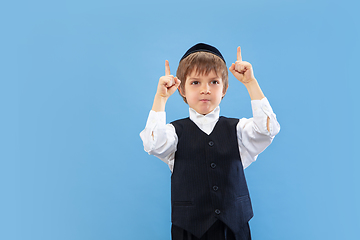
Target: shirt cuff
{"x":263,"y":105}
{"x":155,"y":118}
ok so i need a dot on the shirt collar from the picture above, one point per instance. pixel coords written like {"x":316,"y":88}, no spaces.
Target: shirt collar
{"x":198,"y":118}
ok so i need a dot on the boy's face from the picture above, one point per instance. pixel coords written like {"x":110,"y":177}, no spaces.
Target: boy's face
{"x":203,"y":93}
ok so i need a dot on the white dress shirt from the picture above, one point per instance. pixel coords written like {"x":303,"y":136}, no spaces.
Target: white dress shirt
{"x":160,"y":139}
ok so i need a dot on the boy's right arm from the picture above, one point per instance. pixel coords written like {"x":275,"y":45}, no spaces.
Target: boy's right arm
{"x":159,"y":138}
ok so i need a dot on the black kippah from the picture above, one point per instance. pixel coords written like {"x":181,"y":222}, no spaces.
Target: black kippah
{"x":202,"y":47}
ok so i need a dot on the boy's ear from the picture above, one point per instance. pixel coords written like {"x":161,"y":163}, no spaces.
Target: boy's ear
{"x":224,"y":91}
{"x":181,"y":91}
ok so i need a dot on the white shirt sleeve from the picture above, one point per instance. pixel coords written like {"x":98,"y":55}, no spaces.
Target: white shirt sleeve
{"x":159,"y":138}
{"x":253,"y":135}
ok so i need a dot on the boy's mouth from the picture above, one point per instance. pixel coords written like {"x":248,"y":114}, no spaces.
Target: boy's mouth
{"x":204,"y":100}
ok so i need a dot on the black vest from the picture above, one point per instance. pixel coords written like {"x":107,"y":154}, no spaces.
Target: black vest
{"x":208,"y":181}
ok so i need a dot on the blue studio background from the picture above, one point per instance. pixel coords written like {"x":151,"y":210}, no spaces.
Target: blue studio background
{"x":77,"y":80}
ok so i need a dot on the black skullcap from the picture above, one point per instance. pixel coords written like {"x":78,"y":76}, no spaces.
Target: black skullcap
{"x":202,"y":47}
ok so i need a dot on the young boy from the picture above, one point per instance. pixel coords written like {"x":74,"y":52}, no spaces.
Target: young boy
{"x":207,"y":153}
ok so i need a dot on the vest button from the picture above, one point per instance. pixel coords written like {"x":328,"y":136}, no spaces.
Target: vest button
{"x":215,"y":188}
{"x":213,"y":165}
{"x":217,"y":211}
{"x":211,"y":143}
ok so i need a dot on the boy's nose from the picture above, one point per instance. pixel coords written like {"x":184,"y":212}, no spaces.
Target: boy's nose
{"x":205,"y":89}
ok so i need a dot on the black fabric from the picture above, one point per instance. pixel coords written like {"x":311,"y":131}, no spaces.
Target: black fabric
{"x":218,"y":231}
{"x":202,"y":47}
{"x":208,"y":181}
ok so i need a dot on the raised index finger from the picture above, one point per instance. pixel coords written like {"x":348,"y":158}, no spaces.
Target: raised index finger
{"x":239,"y":54}
{"x":167,"y":67}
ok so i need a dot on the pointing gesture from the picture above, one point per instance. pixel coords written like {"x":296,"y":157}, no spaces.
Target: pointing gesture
{"x":239,"y":54}
{"x":167,"y":67}
{"x":242,"y":70}
{"x":168,"y":83}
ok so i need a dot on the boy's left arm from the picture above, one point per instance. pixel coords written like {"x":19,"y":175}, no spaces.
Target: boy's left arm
{"x":243,"y":72}
{"x":255,"y":134}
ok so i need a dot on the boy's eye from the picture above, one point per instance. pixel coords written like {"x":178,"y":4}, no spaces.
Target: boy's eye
{"x":215,"y":82}
{"x":194,"y":82}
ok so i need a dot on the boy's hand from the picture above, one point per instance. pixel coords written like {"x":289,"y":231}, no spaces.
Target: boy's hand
{"x":242,"y":70}
{"x":168,"y":83}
